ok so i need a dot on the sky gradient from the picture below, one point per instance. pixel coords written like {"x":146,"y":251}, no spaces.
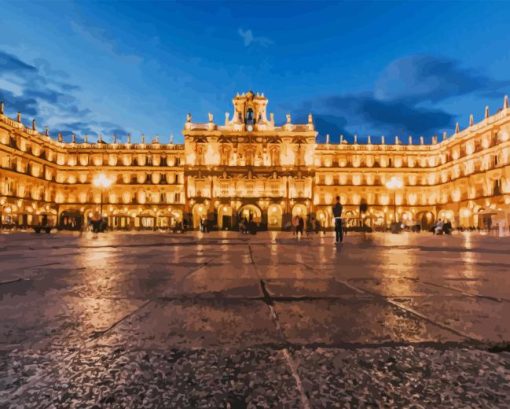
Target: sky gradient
{"x":372,"y":68}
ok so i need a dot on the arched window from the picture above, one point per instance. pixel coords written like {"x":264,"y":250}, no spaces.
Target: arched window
{"x":250,"y":117}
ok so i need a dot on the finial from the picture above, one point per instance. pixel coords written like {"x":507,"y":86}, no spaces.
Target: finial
{"x":382,"y":140}
{"x":505,"y":102}
{"x":327,"y":138}
{"x":46,"y":131}
{"x":310,"y":118}
{"x":445,"y":135}
{"x":369,"y":140}
{"x":486,"y":111}
{"x":1,"y":107}
{"x":18,"y":117}
{"x":410,"y":140}
{"x":188,"y":117}
{"x":471,"y":120}
{"x":73,"y":138}
{"x":171,"y":139}
{"x":457,"y":128}
{"x":129,"y":137}
{"x":355,"y":138}
{"x":143,"y":139}
{"x":422,"y":141}
{"x":211,"y":117}
{"x":34,"y":125}
{"x":60,"y":139}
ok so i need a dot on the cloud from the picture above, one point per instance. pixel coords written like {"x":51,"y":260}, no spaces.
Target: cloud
{"x":249,"y":39}
{"x":99,"y":38}
{"x":36,"y":90}
{"x":405,"y":100}
{"x":426,"y":78}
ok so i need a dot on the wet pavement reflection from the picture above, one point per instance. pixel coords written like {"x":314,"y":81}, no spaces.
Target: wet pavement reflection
{"x":86,"y":308}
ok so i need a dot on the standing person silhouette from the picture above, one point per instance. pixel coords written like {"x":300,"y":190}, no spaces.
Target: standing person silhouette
{"x":337,"y":214}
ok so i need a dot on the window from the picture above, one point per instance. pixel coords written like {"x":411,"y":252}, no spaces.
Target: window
{"x":177,"y":198}
{"x":497,"y":187}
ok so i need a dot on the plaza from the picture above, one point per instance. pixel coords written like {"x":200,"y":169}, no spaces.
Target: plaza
{"x":223,"y":320}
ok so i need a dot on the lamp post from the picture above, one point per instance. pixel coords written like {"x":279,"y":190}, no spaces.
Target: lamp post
{"x":393,"y":184}
{"x":102,"y":182}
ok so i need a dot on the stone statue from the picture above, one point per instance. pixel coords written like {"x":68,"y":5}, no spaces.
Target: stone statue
{"x":271,"y":117}
{"x":211,"y":118}
{"x":188,"y":117}
{"x":310,"y":118}
{"x":227,"y":115}
{"x":288,"y":118}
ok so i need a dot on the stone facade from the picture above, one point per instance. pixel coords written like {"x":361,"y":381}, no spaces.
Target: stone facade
{"x":251,"y":167}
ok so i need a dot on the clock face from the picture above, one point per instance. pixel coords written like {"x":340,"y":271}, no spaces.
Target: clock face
{"x":249,"y":128}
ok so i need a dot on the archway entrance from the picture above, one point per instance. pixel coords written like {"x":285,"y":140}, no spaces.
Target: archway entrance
{"x":199,"y":213}
{"x":250,"y":213}
{"x":425,"y":220}
{"x":225,"y":217}
{"x":71,"y":220}
{"x":274,"y":217}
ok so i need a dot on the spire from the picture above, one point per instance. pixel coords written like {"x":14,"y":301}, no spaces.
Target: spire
{"x":486,"y":111}
{"x":60,"y":138}
{"x":18,"y":117}
{"x":471,"y":120}
{"x":34,"y":125}
{"x":457,"y":128}
{"x":505,"y":102}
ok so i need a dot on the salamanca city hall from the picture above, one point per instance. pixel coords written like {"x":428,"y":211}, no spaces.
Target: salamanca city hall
{"x":251,"y":167}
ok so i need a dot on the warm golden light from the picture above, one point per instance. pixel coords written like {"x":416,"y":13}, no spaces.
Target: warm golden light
{"x":102,"y":181}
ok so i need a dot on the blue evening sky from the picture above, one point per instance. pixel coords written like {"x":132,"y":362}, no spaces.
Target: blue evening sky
{"x":378,"y":68}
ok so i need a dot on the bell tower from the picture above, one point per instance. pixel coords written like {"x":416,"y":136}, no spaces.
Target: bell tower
{"x":250,"y":109}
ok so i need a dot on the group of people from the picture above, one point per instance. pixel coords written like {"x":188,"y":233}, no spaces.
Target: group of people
{"x":442,"y":227}
{"x":247,"y":226}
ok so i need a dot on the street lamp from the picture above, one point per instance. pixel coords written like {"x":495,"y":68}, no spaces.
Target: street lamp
{"x":393,"y":184}
{"x":102,"y":182}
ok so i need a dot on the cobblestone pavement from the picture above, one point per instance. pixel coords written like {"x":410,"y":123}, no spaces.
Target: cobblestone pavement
{"x":156,"y":320}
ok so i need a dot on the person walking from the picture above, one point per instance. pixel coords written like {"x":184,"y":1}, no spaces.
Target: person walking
{"x":337,"y":214}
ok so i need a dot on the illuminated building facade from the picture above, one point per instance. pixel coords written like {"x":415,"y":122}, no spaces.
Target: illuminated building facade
{"x":250,"y":167}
